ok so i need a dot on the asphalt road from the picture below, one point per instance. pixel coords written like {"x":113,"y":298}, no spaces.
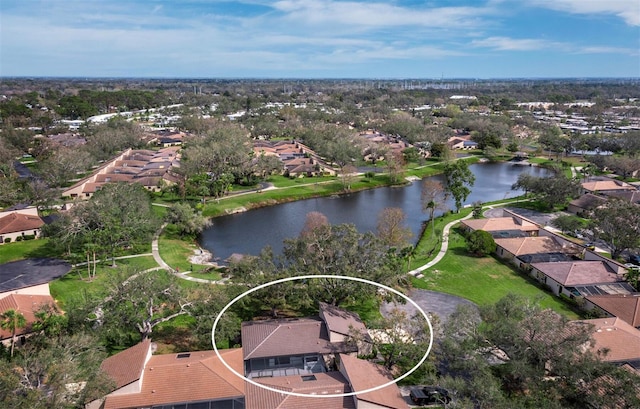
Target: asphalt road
{"x":432,"y":302}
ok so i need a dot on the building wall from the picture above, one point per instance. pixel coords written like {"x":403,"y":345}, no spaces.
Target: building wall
{"x":42,"y":289}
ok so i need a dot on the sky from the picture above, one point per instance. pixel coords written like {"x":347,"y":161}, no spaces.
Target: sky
{"x":320,"y":38}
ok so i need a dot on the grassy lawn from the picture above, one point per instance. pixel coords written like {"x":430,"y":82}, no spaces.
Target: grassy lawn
{"x":211,"y":275}
{"x":76,"y":284}
{"x":25,"y":249}
{"x":176,"y":253}
{"x":484,"y":280}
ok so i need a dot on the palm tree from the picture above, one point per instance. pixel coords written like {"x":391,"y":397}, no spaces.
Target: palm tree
{"x":12,"y":320}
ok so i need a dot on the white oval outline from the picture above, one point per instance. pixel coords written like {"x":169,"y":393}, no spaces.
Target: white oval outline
{"x":304,"y":277}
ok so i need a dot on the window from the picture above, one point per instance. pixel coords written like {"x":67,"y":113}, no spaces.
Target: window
{"x":307,"y":378}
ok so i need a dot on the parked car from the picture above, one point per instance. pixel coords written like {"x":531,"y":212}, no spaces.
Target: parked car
{"x":427,"y":395}
{"x":635,"y":259}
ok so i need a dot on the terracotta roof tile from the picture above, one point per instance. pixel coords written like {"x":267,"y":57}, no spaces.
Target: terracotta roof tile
{"x":198,"y":377}
{"x":341,"y":321}
{"x":126,"y":367}
{"x":365,"y":375}
{"x":17,"y":222}
{"x":25,"y":304}
{"x":572,"y":273}
{"x":530,"y":245}
{"x":269,"y":338}
{"x":616,"y":340}
{"x":327,"y":383}
{"x":598,"y":185}
{"x":625,"y":307}
{"x":500,"y":223}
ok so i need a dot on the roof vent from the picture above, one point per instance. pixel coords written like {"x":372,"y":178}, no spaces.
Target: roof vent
{"x":186,"y":355}
{"x":307,"y":378}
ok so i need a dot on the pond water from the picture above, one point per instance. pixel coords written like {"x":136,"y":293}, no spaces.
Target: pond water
{"x":250,"y":232}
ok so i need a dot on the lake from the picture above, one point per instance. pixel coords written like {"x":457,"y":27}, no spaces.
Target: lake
{"x":249,"y":232}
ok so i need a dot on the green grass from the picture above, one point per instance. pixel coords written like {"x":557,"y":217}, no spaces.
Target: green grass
{"x":76,"y":283}
{"x":211,"y":275}
{"x":484,"y":280}
{"x":176,"y":254}
{"x":25,"y":249}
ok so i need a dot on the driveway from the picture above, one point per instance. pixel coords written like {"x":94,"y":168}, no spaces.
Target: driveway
{"x":432,"y":302}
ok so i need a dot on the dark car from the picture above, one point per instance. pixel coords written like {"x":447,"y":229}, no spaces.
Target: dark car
{"x":427,"y":395}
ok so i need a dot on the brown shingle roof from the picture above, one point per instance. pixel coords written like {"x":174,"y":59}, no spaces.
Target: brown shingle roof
{"x":126,"y":367}
{"x":198,"y":377}
{"x":571,"y":273}
{"x":261,"y":339}
{"x":625,"y":307}
{"x":588,"y":201}
{"x":17,"y":222}
{"x":616,"y":340}
{"x":364,"y":375}
{"x":25,"y":304}
{"x":328,"y":383}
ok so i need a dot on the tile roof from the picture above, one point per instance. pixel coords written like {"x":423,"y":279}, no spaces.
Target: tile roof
{"x":588,"y":201}
{"x":616,"y":340}
{"x":341,"y":321}
{"x":598,"y":185}
{"x":365,"y":375}
{"x":571,"y":273}
{"x":17,"y":222}
{"x":625,"y":307}
{"x":532,"y":245}
{"x":261,"y":339}
{"x":25,"y":304}
{"x":325,"y":383}
{"x":170,"y":379}
{"x":629,"y":196}
{"x":500,"y":223}
{"x":126,"y":367}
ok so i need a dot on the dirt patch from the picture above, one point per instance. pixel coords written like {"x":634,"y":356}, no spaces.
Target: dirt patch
{"x":202,"y":257}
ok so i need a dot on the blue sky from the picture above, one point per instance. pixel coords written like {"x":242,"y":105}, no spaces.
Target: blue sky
{"x":320,"y":38}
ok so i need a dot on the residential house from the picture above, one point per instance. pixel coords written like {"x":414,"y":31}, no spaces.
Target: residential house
{"x":281,"y":347}
{"x":297,"y":158}
{"x":27,"y":305}
{"x":615,"y":341}
{"x":566,"y":277}
{"x":363,"y":375}
{"x":606,"y":186}
{"x":463,"y":143}
{"x":342,"y":324}
{"x":624,"y":306}
{"x":585,"y":203}
{"x":189,"y":380}
{"x":522,"y":251}
{"x":503,"y":227}
{"x":20,"y":223}
{"x":630,"y":196}
{"x":151,"y":169}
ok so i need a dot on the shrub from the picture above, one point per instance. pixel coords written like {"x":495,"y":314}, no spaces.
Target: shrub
{"x":7,"y":240}
{"x":19,"y":238}
{"x":29,"y":237}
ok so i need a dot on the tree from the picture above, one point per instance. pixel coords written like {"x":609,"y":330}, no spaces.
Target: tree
{"x":391,"y":228}
{"x":348,"y":176}
{"x":550,"y":191}
{"x":313,"y":221}
{"x":480,"y":243}
{"x":12,"y":320}
{"x":457,"y":178}
{"x":187,"y":220}
{"x":434,"y":197}
{"x":568,"y":223}
{"x":618,"y":225}
{"x":395,"y":165}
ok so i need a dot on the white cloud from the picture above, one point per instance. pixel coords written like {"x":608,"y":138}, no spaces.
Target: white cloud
{"x":515,"y":44}
{"x":628,"y":10}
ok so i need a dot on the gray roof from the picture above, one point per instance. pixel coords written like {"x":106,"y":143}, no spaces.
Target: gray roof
{"x":30,"y":272}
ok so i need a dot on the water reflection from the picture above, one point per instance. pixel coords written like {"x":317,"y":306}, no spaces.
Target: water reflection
{"x":250,"y":232}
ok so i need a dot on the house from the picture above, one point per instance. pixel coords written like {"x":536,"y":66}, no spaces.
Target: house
{"x":363,"y":375}
{"x":464,"y":143}
{"x":27,"y":305}
{"x":502,"y":227}
{"x":297,"y":158}
{"x":523,"y":251}
{"x":562,"y":277}
{"x":614,"y":341}
{"x":626,"y":195}
{"x":17,"y":224}
{"x":281,"y":347}
{"x":151,"y":169}
{"x":329,"y":383}
{"x":585,"y":203}
{"x":187,"y":380}
{"x":624,"y":306}
{"x":606,"y":186}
